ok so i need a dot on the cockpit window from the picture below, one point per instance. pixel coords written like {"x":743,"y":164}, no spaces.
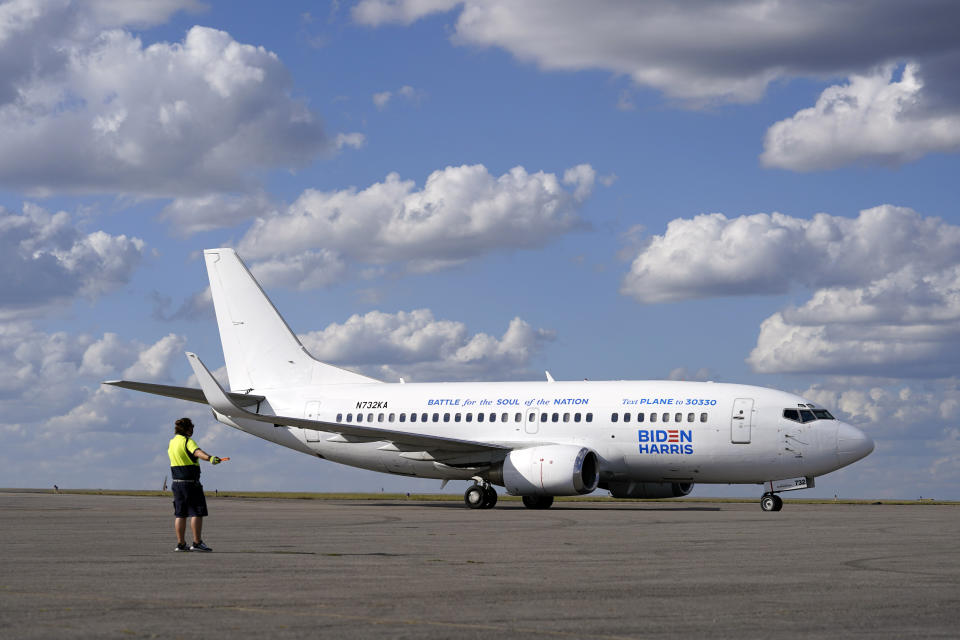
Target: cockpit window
{"x":807,"y":416}
{"x":823,"y":414}
{"x":791,"y":414}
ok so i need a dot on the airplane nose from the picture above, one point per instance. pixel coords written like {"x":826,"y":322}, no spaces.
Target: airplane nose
{"x":852,"y":444}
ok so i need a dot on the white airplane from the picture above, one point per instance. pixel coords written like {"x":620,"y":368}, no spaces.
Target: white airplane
{"x":636,"y":439}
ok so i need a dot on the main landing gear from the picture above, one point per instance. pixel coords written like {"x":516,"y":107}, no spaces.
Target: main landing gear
{"x":480,"y":496}
{"x":537,"y":502}
{"x":771,"y":502}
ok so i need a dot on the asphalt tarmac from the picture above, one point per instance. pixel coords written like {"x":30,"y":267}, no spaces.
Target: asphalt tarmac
{"x":86,"y":565}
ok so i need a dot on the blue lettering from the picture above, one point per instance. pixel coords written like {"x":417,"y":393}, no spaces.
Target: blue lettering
{"x":686,"y":435}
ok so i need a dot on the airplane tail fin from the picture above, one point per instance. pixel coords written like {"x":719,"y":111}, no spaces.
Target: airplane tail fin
{"x":260,"y":350}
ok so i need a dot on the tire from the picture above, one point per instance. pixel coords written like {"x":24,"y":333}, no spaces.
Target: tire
{"x":474,"y":497}
{"x":537,"y":502}
{"x":489,"y":498}
{"x":769,"y":502}
{"x":778,"y":503}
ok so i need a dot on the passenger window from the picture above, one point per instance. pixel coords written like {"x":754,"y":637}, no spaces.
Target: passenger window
{"x":626,"y":417}
{"x":479,"y":417}
{"x":505,"y":417}
{"x":639,"y":417}
{"x":359,"y":417}
{"x":403,"y":417}
{"x":589,"y":417}
{"x":544,"y":417}
{"x":446,"y":417}
{"x":456,"y":417}
{"x":469,"y":417}
{"x":653,"y":417}
{"x":678,"y":417}
{"x":517,"y":417}
{"x":339,"y":417}
{"x":576,"y":417}
{"x":349,"y":417}
{"x":703,"y":417}
{"x":566,"y":417}
{"x":369,"y":417}
{"x":690,"y":417}
{"x":493,"y":417}
{"x":556,"y":417}
{"x":392,"y":416}
{"x":666,"y":417}
{"x":614,"y":417}
{"x":532,"y":417}
{"x":436,"y":417}
{"x":791,"y":414}
{"x":413,"y":417}
{"x":380,"y":418}
{"x":423,"y":417}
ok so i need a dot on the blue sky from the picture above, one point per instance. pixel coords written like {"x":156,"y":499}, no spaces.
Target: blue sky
{"x":753,"y":191}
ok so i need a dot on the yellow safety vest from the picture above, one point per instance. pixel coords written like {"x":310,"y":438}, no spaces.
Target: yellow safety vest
{"x":183,"y":464}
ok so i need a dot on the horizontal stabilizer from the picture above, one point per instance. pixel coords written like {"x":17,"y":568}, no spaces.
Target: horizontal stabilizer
{"x":222,"y":403}
{"x":183,"y":393}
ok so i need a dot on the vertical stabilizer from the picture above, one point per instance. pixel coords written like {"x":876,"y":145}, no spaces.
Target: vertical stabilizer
{"x":260,"y":350}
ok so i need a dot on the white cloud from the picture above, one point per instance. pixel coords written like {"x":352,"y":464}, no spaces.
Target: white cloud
{"x":382,"y":99}
{"x":712,"y":255}
{"x":105,"y":113}
{"x":303,"y":271}
{"x":354,"y":140}
{"x":418,"y":347}
{"x":873,"y":119}
{"x":192,"y":215}
{"x":885,"y":286}
{"x":695,"y":51}
{"x":44,"y":258}
{"x":461,"y":213}
{"x":905,"y":324}
{"x":377,"y":12}
{"x":154,"y":362}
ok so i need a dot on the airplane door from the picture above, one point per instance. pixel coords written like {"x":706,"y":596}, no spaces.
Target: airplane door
{"x":312,"y":412}
{"x":530,"y":423}
{"x":741,"y":420}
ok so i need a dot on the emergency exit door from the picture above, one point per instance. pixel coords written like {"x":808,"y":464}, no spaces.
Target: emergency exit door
{"x":741,"y":420}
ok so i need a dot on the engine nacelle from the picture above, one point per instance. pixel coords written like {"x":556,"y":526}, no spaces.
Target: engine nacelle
{"x":550,"y":470}
{"x":649,"y":489}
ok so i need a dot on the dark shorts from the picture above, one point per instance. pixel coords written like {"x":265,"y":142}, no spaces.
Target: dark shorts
{"x":188,"y":500}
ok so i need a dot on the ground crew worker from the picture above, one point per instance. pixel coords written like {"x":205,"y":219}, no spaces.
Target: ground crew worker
{"x":188,"y":498}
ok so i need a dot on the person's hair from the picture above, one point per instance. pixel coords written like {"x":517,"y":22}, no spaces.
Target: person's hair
{"x":183,"y":426}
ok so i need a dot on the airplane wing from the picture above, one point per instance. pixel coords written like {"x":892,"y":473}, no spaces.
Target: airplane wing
{"x":415,"y":446}
{"x":183,"y":393}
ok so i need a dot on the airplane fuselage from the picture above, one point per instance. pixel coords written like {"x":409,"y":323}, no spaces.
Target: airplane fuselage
{"x":646,"y":431}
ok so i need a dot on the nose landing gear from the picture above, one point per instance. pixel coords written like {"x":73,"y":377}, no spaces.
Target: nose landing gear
{"x":480,"y":496}
{"x":771,"y":502}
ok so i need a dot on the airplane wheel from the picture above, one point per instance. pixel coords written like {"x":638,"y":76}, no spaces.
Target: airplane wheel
{"x":489,"y":498}
{"x":769,"y":502}
{"x":474,"y":497}
{"x":537,"y":502}
{"x":779,"y":503}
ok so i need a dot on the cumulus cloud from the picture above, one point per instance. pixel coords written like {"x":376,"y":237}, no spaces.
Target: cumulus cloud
{"x":712,"y":255}
{"x":103,"y":112}
{"x":694,"y":51}
{"x":214,"y":211}
{"x":44,"y":258}
{"x":874,"y":119}
{"x":905,"y":324}
{"x":460,"y":213}
{"x":885,"y":297}
{"x":416,"y":346}
{"x":354,"y":140}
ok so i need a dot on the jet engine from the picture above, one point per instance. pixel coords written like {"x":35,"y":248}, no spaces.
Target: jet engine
{"x":550,"y":470}
{"x":649,"y":489}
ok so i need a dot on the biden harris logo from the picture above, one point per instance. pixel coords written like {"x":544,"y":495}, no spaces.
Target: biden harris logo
{"x":669,"y":441}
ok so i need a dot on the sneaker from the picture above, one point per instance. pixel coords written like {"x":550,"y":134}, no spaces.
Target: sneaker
{"x":199,"y":546}
{"x":181,"y":546}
